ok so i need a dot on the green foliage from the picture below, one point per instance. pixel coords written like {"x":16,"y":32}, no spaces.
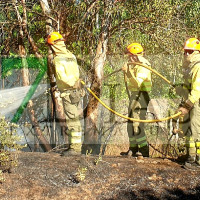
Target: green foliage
{"x":114,"y":87}
{"x":170,"y":67}
{"x":99,"y":159}
{"x":161,"y":26}
{"x":8,"y":144}
{"x":37,"y":7}
{"x":81,"y":173}
{"x":8,"y":64}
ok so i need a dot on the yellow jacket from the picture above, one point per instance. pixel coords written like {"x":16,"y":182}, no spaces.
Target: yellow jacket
{"x":191,"y":72}
{"x":66,"y":67}
{"x":139,"y":78}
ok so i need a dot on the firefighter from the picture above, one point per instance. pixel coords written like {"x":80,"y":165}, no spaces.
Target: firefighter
{"x":67,"y":80}
{"x":139,"y":84}
{"x":190,"y":107}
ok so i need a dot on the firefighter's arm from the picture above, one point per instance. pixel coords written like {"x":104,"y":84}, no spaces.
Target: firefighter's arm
{"x":195,"y":92}
{"x":185,"y":107}
{"x":142,"y":74}
{"x":130,"y":74}
{"x":66,"y":79}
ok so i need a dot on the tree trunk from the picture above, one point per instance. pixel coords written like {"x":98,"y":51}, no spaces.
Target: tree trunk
{"x":25,"y":78}
{"x":91,"y":121}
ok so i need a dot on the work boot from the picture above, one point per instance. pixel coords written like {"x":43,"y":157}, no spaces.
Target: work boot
{"x":191,"y":159}
{"x":144,"y":151}
{"x":194,"y":166}
{"x":71,"y":152}
{"x":139,"y":155}
{"x":192,"y":163}
{"x":197,"y":159}
{"x":131,"y":152}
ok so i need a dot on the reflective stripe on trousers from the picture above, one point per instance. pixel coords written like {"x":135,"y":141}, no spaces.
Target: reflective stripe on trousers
{"x":75,"y":140}
{"x":193,"y":130}
{"x":137,"y":109}
{"x":75,"y":137}
{"x":74,"y":131}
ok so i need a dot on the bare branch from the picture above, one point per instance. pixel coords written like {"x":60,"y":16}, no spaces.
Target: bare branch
{"x":88,"y":10}
{"x":131,"y":20}
{"x":43,"y":15}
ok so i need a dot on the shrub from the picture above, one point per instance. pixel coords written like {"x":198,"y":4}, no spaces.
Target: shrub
{"x":9,"y":145}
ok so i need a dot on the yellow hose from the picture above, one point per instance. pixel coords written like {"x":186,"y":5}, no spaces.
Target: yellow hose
{"x":154,"y":71}
{"x":128,"y":118}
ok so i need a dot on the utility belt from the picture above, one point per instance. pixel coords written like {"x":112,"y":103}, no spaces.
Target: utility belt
{"x":74,"y":94}
{"x":70,"y":89}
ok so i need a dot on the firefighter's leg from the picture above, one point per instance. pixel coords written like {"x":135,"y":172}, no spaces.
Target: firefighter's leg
{"x":141,"y":138}
{"x":132,"y":127}
{"x":74,"y":126}
{"x":140,"y":135}
{"x":192,"y":162}
{"x":138,"y":139}
{"x":191,"y":148}
{"x":195,"y":127}
{"x":132,"y":139}
{"x":197,"y":143}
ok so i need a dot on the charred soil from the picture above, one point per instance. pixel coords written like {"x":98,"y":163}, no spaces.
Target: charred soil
{"x":50,"y":176}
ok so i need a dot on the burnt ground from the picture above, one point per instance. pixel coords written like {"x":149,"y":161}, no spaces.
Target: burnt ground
{"x":50,"y":176}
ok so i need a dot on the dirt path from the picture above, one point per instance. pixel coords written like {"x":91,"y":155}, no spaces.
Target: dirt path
{"x":49,"y":176}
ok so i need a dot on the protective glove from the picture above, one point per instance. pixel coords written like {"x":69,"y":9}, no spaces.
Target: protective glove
{"x":185,"y":107}
{"x":184,"y":111}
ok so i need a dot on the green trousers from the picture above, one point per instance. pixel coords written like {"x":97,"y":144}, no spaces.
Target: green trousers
{"x":137,"y":109}
{"x":192,"y":129}
{"x":71,"y":99}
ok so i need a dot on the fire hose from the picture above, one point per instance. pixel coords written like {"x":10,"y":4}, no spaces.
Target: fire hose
{"x":129,"y":118}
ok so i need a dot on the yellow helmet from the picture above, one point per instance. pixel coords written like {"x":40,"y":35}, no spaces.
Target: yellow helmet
{"x":53,"y":37}
{"x":192,"y":44}
{"x":135,"y":48}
